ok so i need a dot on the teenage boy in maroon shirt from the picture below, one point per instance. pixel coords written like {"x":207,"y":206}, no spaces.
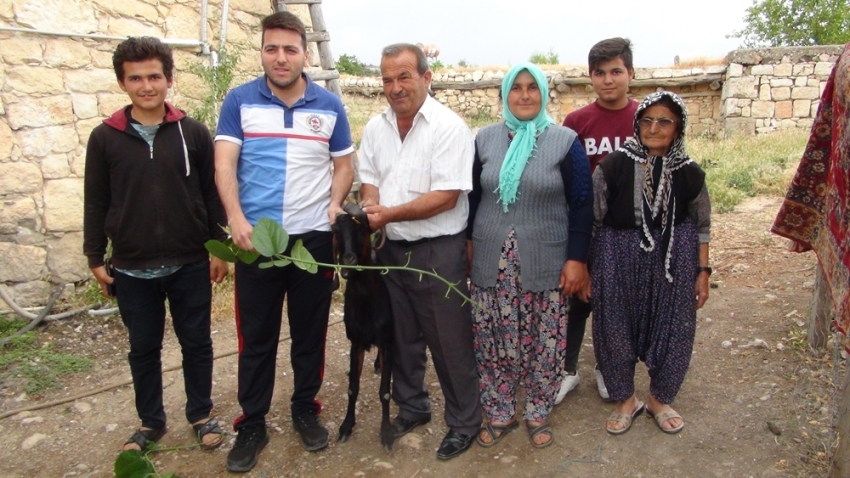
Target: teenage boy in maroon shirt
{"x":602,"y":126}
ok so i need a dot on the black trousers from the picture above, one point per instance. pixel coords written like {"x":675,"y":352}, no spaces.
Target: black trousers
{"x":142,"y":306}
{"x":259,"y":307}
{"x":579,"y":312}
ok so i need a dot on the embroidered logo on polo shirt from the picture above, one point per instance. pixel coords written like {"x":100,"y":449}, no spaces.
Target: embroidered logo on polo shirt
{"x":314,"y":122}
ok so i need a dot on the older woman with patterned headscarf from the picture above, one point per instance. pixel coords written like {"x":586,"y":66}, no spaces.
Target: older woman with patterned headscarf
{"x":531,"y":212}
{"x":649,"y":262}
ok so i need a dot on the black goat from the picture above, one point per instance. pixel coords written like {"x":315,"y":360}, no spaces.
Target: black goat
{"x":368,"y":315}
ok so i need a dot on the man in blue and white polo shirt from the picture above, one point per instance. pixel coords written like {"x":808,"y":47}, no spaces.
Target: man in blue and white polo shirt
{"x":277,"y":139}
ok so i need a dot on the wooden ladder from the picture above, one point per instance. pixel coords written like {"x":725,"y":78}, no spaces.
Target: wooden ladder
{"x":322,"y":38}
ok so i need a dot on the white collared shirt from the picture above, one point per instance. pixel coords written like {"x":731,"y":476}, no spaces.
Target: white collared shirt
{"x":436,"y":155}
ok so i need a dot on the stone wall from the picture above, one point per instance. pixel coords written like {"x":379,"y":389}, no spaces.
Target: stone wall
{"x":55,"y":89}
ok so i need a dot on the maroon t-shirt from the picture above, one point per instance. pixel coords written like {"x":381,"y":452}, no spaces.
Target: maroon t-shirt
{"x":601,"y":130}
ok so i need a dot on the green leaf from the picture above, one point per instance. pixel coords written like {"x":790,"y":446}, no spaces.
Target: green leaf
{"x":220,"y":250}
{"x":300,"y":253}
{"x":133,"y":464}
{"x":170,"y":474}
{"x":266,"y":265}
{"x":281,"y":262}
{"x":248,"y":257}
{"x":269,"y":238}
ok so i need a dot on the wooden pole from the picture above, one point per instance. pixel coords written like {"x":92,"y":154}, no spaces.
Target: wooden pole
{"x":326,"y":59}
{"x":279,"y":6}
{"x":841,"y":460}
{"x":821,"y":315}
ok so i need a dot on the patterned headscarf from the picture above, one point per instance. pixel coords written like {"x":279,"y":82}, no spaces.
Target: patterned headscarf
{"x":659,"y":202}
{"x":525,"y":133}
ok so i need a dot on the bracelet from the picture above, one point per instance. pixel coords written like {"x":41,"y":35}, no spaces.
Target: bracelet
{"x":702,"y":269}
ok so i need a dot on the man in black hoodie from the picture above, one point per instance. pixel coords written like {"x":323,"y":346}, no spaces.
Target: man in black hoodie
{"x":150,"y":190}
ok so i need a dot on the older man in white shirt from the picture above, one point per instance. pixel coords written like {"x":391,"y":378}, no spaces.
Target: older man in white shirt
{"x":416,"y":169}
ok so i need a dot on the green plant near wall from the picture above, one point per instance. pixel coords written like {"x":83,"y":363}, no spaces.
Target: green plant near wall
{"x":218,"y":80}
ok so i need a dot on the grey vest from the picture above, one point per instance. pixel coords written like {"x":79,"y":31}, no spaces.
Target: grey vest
{"x":539,"y":216}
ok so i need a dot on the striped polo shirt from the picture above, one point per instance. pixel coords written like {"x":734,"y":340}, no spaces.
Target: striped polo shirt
{"x":284,"y":169}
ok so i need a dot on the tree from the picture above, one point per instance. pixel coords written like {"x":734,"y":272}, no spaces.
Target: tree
{"x":350,"y":65}
{"x":539,"y":58}
{"x":796,"y":23}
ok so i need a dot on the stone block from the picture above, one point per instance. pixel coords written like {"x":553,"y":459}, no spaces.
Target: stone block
{"x":95,"y":80}
{"x":108,"y":103}
{"x":805,"y":123}
{"x":662,"y":73}
{"x":34,"y":80}
{"x":19,"y":178}
{"x":757,"y":70}
{"x":734,"y":70}
{"x":762,"y":109}
{"x":84,"y":128}
{"x":739,"y":127}
{"x":780,"y":93}
{"x":101,"y":59}
{"x":63,"y":205}
{"x":823,"y":68}
{"x":64,"y":16}
{"x":85,"y":106}
{"x":730,"y":106}
{"x":66,"y":52}
{"x":7,"y":140}
{"x":642,"y":73}
{"x":40,"y":142}
{"x":802,"y":108}
{"x":55,"y":166}
{"x":21,"y":263}
{"x":783,"y":69}
{"x":777,"y":82}
{"x":784,"y":109}
{"x":680,"y":73}
{"x":182,"y":22}
{"x":814,"y":110}
{"x":715,"y":69}
{"x":38,"y":112}
{"x":764,"y":92}
{"x":740,"y":88}
{"x":64,"y":259}
{"x":787,"y":124}
{"x":801,"y":81}
{"x":17,"y":213}
{"x":129,"y":27}
{"x":31,"y":294}
{"x":746,"y":111}
{"x":130,"y":8}
{"x":21,"y":50}
{"x":804,"y":93}
{"x":803,"y":69}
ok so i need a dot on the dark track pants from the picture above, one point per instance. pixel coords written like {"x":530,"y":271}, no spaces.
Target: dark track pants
{"x":142,"y":306}
{"x":579,"y":312}
{"x":259,"y":308}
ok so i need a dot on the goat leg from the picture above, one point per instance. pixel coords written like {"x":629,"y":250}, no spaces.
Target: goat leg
{"x":386,"y":356}
{"x":356,"y":366}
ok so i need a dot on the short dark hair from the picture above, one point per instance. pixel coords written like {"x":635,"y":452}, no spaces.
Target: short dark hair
{"x":136,"y":49}
{"x":397,"y":48}
{"x":285,"y":21}
{"x":608,"y":50}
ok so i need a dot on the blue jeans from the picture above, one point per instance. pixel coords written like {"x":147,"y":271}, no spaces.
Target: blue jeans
{"x":142,"y":306}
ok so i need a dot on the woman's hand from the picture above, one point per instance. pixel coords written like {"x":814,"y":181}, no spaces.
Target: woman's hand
{"x":702,"y":289}
{"x":575,"y":280}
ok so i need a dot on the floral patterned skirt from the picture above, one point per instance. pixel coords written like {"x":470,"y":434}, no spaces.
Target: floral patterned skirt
{"x":520,"y":338}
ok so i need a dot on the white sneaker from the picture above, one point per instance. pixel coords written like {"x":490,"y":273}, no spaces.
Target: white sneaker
{"x":567,"y":384}
{"x":600,"y":384}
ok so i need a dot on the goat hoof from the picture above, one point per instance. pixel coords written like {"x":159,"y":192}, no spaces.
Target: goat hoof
{"x":343,"y":436}
{"x":388,"y":448}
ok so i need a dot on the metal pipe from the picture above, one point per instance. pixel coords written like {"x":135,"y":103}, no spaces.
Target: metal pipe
{"x":225,"y":7}
{"x":205,"y":45}
{"x":168,"y":41}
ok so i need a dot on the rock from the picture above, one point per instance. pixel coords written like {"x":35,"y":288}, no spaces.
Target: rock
{"x":64,"y":260}
{"x":19,"y":178}
{"x":21,"y":416}
{"x":40,"y":142}
{"x":382,"y":465}
{"x":92,"y":80}
{"x":82,"y":407}
{"x":21,"y":264}
{"x":411,"y":440}
{"x":18,"y":213}
{"x":111,"y":427}
{"x":63,"y":204}
{"x":726,"y":344}
{"x":70,"y":54}
{"x":774,"y":428}
{"x":32,"y":441}
{"x":34,"y":80}
{"x":7,"y":140}
{"x":21,"y":50}
{"x":28,"y":420}
{"x":508,"y":459}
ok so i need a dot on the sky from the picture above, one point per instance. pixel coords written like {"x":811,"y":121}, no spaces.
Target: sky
{"x":501,"y":32}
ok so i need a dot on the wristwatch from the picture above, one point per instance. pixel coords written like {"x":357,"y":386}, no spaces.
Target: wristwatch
{"x":702,"y":269}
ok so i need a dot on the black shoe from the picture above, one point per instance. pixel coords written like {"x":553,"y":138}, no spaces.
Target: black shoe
{"x":402,"y":426}
{"x":249,"y":442}
{"x":313,"y":435}
{"x":454,"y":444}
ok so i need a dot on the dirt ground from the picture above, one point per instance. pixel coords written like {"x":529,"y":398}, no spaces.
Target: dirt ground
{"x":750,"y":367}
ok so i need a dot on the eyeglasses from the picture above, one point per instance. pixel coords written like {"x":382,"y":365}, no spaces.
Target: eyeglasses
{"x":663,"y":123}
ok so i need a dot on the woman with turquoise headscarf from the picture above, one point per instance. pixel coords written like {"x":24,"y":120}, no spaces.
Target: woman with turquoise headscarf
{"x":530,"y":223}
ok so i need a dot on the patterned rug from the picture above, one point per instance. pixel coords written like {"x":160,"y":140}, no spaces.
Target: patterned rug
{"x":816,"y":211}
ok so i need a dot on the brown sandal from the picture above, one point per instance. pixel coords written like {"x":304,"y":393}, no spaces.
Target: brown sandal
{"x":534,"y":432}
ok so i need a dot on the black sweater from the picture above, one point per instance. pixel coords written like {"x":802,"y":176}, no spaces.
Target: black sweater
{"x":158,"y":205}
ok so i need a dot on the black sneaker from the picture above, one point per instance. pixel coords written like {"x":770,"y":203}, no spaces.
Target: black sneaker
{"x":313,"y":435}
{"x":249,"y":442}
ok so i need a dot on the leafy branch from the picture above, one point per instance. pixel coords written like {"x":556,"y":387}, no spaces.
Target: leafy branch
{"x":137,"y":464}
{"x":270,"y":240}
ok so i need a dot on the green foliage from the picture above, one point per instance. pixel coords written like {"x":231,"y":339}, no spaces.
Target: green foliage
{"x":796,"y":23}
{"x":463,"y":63}
{"x":539,"y":58}
{"x":218,"y":80}
{"x":483,"y":119}
{"x":136,"y":464}
{"x":39,"y":367}
{"x":437,"y":65}
{"x":748,"y":166}
{"x":350,"y":65}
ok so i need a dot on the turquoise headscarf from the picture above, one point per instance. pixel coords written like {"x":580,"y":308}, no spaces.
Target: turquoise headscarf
{"x":525,"y":133}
